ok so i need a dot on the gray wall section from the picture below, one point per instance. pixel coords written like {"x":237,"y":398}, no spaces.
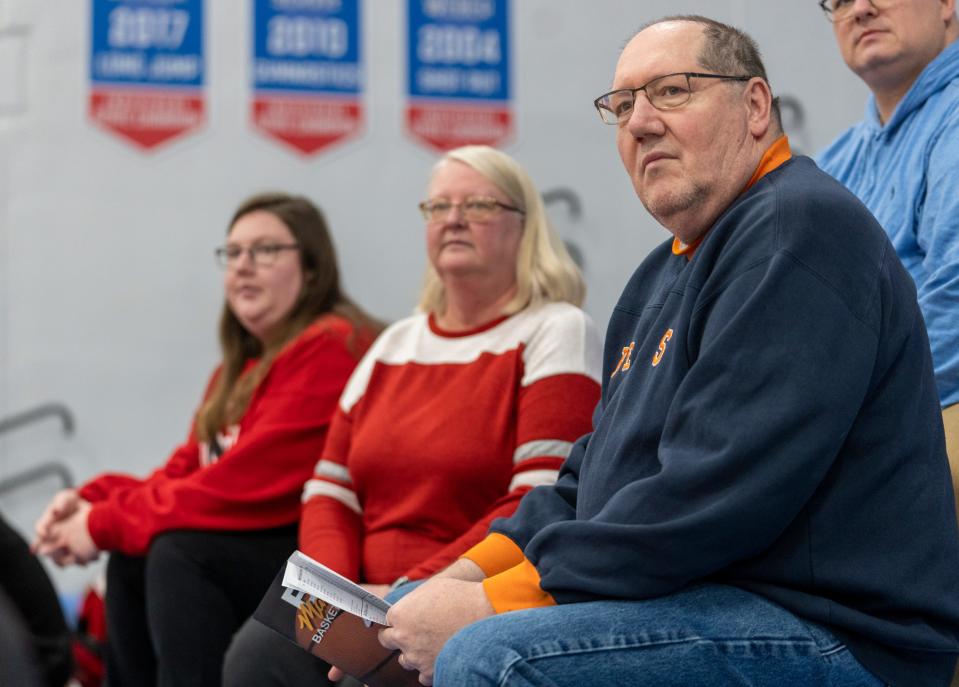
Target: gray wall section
{"x":109,"y":291}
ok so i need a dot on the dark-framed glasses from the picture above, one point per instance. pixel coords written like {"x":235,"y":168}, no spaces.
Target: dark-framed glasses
{"x":474,"y":208}
{"x":664,"y":93}
{"x":842,"y":10}
{"x":261,"y":254}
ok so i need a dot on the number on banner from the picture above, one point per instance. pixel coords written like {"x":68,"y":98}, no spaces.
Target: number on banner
{"x":146,"y":27}
{"x":465,"y":45}
{"x":306,"y":36}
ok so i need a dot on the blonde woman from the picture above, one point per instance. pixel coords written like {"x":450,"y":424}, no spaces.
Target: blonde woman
{"x":455,"y":412}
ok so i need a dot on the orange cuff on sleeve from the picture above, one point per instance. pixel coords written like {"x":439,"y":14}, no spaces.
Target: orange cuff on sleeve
{"x":495,"y":554}
{"x":516,"y":589}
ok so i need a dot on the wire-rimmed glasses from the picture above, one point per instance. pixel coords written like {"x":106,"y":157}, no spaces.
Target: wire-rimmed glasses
{"x":474,"y":208}
{"x":664,"y":93}
{"x":261,"y":254}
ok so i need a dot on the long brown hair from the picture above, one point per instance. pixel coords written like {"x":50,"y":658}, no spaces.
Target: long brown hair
{"x":321,"y":293}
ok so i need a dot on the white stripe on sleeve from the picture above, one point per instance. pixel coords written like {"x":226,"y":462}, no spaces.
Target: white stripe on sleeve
{"x":347,"y":497}
{"x":327,"y":468}
{"x":542,"y":447}
{"x":534,"y":478}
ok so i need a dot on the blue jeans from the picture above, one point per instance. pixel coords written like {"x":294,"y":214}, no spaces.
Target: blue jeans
{"x":401,"y":591}
{"x":704,"y":636}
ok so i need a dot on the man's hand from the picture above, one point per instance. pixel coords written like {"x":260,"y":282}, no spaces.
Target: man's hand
{"x":422,"y":621}
{"x":68,"y":541}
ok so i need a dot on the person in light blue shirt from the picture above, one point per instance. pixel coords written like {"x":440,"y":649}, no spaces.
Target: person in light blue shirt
{"x":902,"y":160}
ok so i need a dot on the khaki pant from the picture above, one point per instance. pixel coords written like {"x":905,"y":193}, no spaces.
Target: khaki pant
{"x":950,"y":420}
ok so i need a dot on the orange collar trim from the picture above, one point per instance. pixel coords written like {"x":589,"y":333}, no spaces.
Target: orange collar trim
{"x":775,"y":156}
{"x":687,"y":249}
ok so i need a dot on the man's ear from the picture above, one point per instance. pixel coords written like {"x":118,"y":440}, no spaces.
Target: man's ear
{"x":759,"y":106}
{"x":947,"y":10}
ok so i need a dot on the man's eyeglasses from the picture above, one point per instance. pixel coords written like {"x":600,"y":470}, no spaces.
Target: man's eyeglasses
{"x":842,"y":10}
{"x":664,"y":93}
{"x":474,"y":209}
{"x":261,"y":254}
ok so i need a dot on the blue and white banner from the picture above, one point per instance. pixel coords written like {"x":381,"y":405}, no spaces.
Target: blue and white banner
{"x":307,"y":71}
{"x":147,"y":68}
{"x":459,"y":72}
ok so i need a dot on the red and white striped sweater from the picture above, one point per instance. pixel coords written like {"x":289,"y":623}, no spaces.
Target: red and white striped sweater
{"x":437,"y":433}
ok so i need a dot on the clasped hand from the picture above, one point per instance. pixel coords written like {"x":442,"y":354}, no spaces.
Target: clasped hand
{"x":62,"y":532}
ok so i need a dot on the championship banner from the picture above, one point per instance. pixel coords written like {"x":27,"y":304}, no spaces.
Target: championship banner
{"x":146,"y":68}
{"x":306,"y":71}
{"x":459,"y":72}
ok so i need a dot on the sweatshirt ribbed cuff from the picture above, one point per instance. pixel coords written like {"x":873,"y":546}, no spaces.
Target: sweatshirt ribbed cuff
{"x":516,"y":589}
{"x":495,"y":554}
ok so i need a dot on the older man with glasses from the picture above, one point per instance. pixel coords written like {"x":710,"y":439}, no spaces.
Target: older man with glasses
{"x":902,"y":160}
{"x":764,"y":499}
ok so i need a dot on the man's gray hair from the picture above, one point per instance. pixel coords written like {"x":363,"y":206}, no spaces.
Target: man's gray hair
{"x":726,"y":50}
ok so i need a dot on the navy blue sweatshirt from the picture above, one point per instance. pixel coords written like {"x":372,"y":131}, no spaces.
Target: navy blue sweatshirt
{"x":769,"y":419}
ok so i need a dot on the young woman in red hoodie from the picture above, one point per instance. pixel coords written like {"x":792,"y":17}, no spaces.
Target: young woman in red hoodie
{"x":195,"y":545}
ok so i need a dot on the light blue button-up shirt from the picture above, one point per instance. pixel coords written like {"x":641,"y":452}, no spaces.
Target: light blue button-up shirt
{"x":907,"y":174}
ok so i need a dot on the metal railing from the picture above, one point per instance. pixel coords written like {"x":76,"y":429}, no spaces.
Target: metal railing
{"x":41,"y":412}
{"x":574,"y":210}
{"x":37,"y":473}
{"x":45,"y":469}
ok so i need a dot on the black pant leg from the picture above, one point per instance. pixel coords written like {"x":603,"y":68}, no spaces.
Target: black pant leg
{"x":26,"y":584}
{"x":18,"y":665}
{"x":130,"y":661}
{"x":261,"y":657}
{"x":201,"y":586}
